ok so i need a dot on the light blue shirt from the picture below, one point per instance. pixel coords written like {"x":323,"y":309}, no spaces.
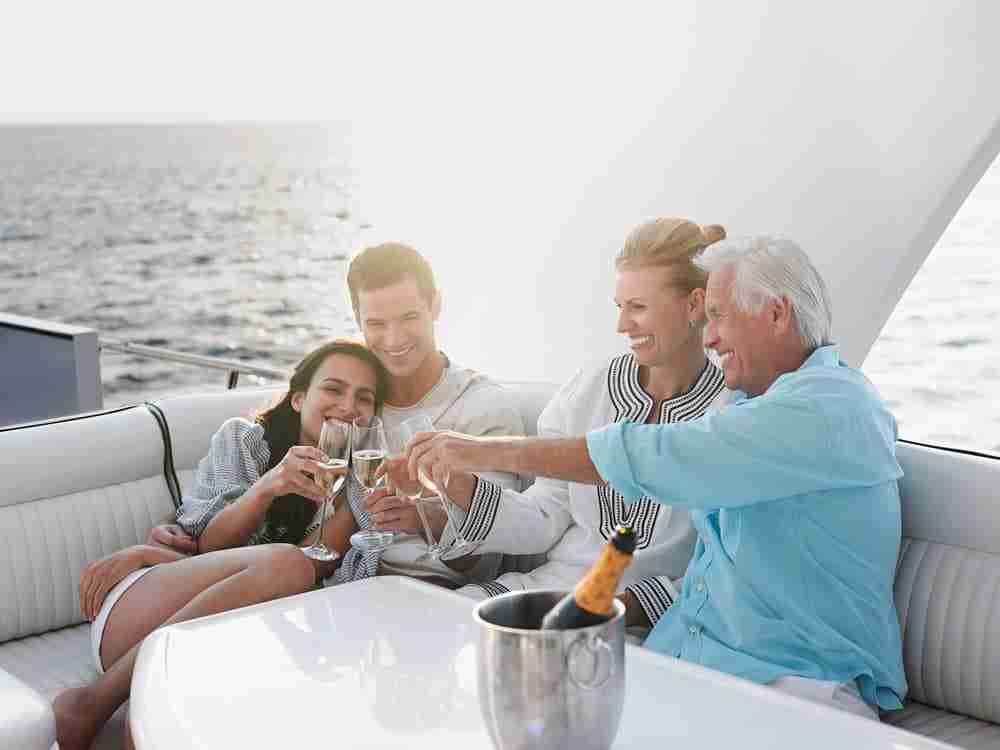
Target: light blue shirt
{"x":795,"y":500}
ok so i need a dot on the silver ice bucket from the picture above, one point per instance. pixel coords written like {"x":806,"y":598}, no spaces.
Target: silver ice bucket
{"x":548,"y":688}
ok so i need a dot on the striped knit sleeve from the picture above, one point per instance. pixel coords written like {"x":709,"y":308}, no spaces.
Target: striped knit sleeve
{"x":655,"y":595}
{"x":236,"y":459}
{"x":482,"y":511}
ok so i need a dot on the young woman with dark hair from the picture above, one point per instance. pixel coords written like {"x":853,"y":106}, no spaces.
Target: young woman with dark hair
{"x":250,"y":510}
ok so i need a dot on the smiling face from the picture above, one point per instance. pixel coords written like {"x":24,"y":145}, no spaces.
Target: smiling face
{"x":655,"y":315}
{"x":398,"y":325}
{"x":342,"y":388}
{"x":750,"y":347}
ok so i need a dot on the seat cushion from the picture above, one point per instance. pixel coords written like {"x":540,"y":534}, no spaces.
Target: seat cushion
{"x":46,"y":544}
{"x":955,"y":729}
{"x":948,"y":599}
{"x":57,"y":660}
{"x":73,"y":492}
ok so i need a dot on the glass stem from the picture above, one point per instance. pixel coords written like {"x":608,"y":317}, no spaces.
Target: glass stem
{"x":322,"y":518}
{"x":427,"y":527}
{"x":445,"y":502}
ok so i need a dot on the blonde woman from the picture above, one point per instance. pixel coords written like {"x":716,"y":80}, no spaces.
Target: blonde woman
{"x":664,"y":376}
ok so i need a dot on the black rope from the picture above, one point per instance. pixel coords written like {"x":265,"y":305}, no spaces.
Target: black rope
{"x":169,"y":474}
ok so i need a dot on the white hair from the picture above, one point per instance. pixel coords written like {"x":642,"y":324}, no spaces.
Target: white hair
{"x":772,"y":268}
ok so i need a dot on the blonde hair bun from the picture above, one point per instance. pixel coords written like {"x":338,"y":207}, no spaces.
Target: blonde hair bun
{"x":713,"y":233}
{"x":673,"y":242}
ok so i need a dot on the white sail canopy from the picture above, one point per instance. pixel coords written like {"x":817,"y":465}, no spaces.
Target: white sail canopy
{"x":516,"y":148}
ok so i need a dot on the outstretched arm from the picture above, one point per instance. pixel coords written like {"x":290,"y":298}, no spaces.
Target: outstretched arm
{"x":441,"y":453}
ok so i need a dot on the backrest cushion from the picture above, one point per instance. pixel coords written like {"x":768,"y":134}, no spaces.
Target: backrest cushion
{"x":193,"y":419}
{"x":949,"y":497}
{"x":948,"y":582}
{"x":532,"y":398}
{"x":73,"y":492}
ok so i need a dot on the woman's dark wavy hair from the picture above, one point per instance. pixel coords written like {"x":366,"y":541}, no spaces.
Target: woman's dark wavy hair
{"x":283,"y":426}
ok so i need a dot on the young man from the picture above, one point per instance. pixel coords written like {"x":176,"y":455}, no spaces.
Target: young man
{"x":396,"y":304}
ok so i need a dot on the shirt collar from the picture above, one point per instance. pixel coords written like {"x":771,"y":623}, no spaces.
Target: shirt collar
{"x":822,"y":356}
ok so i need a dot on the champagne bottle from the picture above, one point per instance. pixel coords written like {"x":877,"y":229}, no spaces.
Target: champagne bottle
{"x":593,"y":600}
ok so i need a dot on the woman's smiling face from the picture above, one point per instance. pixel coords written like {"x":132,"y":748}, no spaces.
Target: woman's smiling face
{"x":655,"y":315}
{"x":342,"y":388}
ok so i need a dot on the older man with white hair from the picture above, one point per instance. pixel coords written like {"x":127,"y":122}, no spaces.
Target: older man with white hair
{"x":792,"y":488}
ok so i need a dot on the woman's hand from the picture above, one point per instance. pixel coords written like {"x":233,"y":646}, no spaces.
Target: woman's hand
{"x":102,"y":575}
{"x":439,"y":454}
{"x":296,"y":474}
{"x":172,"y":536}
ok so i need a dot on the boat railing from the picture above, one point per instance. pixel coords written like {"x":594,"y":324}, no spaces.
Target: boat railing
{"x":233,"y":368}
{"x":50,"y":369}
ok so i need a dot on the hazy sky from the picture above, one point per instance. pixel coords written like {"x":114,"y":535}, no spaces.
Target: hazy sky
{"x":534,"y":135}
{"x":217,"y":60}
{"x":111,"y":60}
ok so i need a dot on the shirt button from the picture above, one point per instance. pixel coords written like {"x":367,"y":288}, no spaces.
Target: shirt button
{"x":693,"y":630}
{"x":700,"y":586}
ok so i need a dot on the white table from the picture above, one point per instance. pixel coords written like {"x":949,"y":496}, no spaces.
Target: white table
{"x":26,"y":718}
{"x":391,"y":662}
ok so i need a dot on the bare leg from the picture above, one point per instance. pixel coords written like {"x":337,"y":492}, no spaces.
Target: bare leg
{"x":127,"y":736}
{"x":194,"y":587}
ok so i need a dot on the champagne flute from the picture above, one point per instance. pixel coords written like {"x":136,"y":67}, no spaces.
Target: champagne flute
{"x":368,"y":452}
{"x":461,"y":546}
{"x":399,"y":478}
{"x":335,"y":442}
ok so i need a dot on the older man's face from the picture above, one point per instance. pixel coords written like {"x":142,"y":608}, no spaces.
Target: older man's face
{"x":745,"y":343}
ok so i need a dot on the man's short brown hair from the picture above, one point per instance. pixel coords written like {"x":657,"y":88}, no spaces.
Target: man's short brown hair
{"x":387,"y":264}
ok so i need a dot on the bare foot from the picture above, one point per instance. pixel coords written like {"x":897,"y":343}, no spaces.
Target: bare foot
{"x":77,"y":723}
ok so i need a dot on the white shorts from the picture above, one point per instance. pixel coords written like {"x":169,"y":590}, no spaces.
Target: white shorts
{"x":844,"y":696}
{"x":110,"y":600}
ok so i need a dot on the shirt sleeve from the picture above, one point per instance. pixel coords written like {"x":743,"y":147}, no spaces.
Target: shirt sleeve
{"x":750,"y":452}
{"x":236,"y":458}
{"x":655,"y":595}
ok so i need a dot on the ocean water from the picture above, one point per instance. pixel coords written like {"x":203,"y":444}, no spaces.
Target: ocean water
{"x":232,"y":240}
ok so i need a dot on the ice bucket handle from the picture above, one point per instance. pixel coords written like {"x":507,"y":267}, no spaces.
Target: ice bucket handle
{"x":592,"y":669}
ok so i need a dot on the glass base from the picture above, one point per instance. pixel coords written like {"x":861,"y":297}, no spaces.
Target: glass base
{"x":320,"y":552}
{"x":372,"y":541}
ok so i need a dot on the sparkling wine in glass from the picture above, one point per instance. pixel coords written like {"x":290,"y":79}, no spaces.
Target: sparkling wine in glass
{"x":335,"y":442}
{"x":398,"y":478}
{"x":368,"y":454}
{"x":461,"y":546}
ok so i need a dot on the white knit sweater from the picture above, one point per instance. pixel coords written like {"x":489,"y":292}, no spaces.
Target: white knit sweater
{"x":571,"y":522}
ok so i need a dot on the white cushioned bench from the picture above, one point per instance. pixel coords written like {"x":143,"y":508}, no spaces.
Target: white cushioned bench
{"x":75,"y":490}
{"x":948,"y":595}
